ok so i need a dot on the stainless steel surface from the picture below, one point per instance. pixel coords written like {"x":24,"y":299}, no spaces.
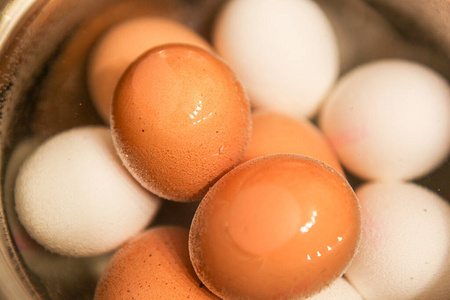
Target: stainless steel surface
{"x":44,"y":45}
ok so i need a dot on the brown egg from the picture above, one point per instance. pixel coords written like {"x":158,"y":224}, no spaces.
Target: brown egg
{"x":275,"y":227}
{"x":121,"y":45}
{"x":153,"y":265}
{"x":180,"y":120}
{"x":275,"y":132}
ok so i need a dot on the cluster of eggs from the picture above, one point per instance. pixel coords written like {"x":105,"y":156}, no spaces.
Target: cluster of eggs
{"x":231,"y":125}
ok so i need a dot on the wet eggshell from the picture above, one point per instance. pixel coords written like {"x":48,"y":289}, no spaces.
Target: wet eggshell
{"x":274,"y":132}
{"x":275,"y":227}
{"x":122,"y":44}
{"x":180,"y":120}
{"x":153,"y":265}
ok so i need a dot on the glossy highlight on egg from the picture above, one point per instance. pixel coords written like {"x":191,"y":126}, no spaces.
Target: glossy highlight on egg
{"x":180,"y":120}
{"x":119,"y":46}
{"x":276,"y":218}
{"x":275,"y":227}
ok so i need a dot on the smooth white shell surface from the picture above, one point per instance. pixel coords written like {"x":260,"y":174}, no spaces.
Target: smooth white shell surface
{"x":285,"y":52}
{"x":405,"y":243}
{"x":389,"y":119}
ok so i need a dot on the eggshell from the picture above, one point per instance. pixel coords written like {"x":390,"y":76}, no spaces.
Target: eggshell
{"x":65,"y":273}
{"x":74,"y":197}
{"x":340,"y":289}
{"x":180,"y":120}
{"x":389,"y":120}
{"x":275,"y":227}
{"x":284,"y":51}
{"x":273,"y":132}
{"x":405,"y":245}
{"x":63,"y":96}
{"x":153,"y":265}
{"x":124,"y":43}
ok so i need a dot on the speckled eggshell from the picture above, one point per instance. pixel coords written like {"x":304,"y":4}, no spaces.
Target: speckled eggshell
{"x":180,"y":120}
{"x":122,"y":44}
{"x":274,"y":132}
{"x":275,"y":227}
{"x":75,"y":198}
{"x":153,"y":265}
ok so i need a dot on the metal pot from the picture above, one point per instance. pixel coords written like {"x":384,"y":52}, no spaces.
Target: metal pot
{"x":44,"y":45}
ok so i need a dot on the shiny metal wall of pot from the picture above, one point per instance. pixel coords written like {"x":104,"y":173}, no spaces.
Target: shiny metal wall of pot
{"x":43,"y":48}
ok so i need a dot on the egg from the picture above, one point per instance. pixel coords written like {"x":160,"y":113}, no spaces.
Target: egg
{"x":340,"y":289}
{"x":121,"y":45}
{"x":274,"y":132}
{"x":69,"y":272}
{"x":389,"y":120}
{"x":275,"y":227}
{"x":405,"y":245}
{"x":284,"y":51}
{"x":180,"y":120}
{"x":153,"y":265}
{"x":75,"y":198}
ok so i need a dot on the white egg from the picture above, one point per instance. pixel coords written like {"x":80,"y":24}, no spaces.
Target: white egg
{"x":47,"y":265}
{"x":405,"y":243}
{"x":75,"y":198}
{"x":389,"y":119}
{"x":284,"y":51}
{"x":340,"y":289}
